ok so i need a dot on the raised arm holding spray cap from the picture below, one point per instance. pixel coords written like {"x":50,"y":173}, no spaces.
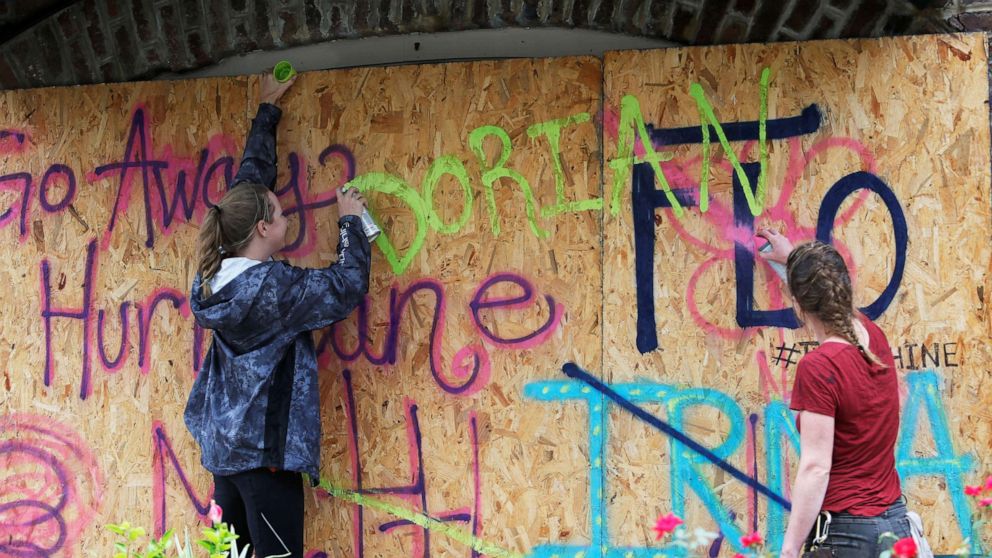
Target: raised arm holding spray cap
{"x":254,"y":409}
{"x":283,"y":71}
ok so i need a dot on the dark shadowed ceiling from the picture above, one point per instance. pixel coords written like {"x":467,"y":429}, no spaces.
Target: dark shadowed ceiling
{"x":50,"y":42}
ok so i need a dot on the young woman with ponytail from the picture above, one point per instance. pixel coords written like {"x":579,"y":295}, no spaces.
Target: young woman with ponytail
{"x":254,"y":408}
{"x":847,"y":401}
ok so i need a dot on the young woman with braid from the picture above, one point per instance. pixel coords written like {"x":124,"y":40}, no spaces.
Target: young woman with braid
{"x":254,"y":407}
{"x":847,"y":400}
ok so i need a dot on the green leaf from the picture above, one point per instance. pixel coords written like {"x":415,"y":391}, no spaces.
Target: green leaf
{"x":119,"y":529}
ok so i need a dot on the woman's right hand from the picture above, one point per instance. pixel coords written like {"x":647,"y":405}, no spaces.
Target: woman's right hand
{"x":781,"y":246}
{"x":350,"y":202}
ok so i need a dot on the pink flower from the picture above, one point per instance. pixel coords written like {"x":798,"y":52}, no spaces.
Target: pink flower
{"x":985,"y":502}
{"x":754,"y":539}
{"x":666,"y":524}
{"x":215,"y":514}
{"x":988,"y":483}
{"x":904,"y":548}
{"x":739,"y":555}
{"x":972,"y":490}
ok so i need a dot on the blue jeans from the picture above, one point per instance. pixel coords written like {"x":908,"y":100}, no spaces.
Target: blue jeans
{"x":857,"y":536}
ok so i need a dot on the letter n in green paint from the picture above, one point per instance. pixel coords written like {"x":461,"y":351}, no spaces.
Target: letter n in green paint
{"x":708,"y":120}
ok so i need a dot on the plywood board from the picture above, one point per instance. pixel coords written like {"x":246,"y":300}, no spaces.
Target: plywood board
{"x":880,"y":145}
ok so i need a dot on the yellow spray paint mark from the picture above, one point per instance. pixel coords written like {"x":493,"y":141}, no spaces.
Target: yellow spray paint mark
{"x":707,"y":117}
{"x":420,"y":520}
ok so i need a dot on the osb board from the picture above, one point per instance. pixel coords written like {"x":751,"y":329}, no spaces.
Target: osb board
{"x":537,"y":466}
{"x":400,"y":121}
{"x":494,"y":462}
{"x":910,"y":111}
{"x":88,"y":444}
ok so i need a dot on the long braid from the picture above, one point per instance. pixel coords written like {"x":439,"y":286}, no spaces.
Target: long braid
{"x":842,"y":325}
{"x":821,"y":284}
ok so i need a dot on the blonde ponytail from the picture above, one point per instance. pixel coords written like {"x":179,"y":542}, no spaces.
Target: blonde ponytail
{"x":228,"y":227}
{"x":209,"y":245}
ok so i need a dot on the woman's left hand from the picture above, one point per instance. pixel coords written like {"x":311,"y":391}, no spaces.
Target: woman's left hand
{"x":270,"y":90}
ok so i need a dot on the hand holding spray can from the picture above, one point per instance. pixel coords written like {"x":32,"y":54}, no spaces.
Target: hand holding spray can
{"x":368,"y":224}
{"x":777,"y":267}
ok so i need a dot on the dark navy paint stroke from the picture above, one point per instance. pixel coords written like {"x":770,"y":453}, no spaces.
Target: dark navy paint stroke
{"x":828,"y":213}
{"x":747,"y":316}
{"x":807,"y":122}
{"x":646,"y":198}
{"x":454,"y":517}
{"x":18,"y":136}
{"x":572,"y":370}
{"x":714,"y":550}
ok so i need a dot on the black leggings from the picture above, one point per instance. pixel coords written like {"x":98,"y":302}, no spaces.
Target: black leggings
{"x":256,"y":499}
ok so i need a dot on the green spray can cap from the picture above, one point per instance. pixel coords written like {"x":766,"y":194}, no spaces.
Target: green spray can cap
{"x":283,"y":71}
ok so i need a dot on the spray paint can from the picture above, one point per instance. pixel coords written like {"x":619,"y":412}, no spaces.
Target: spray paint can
{"x":368,"y":223}
{"x":777,"y":267}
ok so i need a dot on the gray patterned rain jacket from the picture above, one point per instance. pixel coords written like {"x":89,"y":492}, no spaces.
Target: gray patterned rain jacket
{"x":255,"y":402}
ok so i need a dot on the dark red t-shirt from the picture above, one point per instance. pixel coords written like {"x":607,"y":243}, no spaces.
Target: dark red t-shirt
{"x":836,"y":380}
